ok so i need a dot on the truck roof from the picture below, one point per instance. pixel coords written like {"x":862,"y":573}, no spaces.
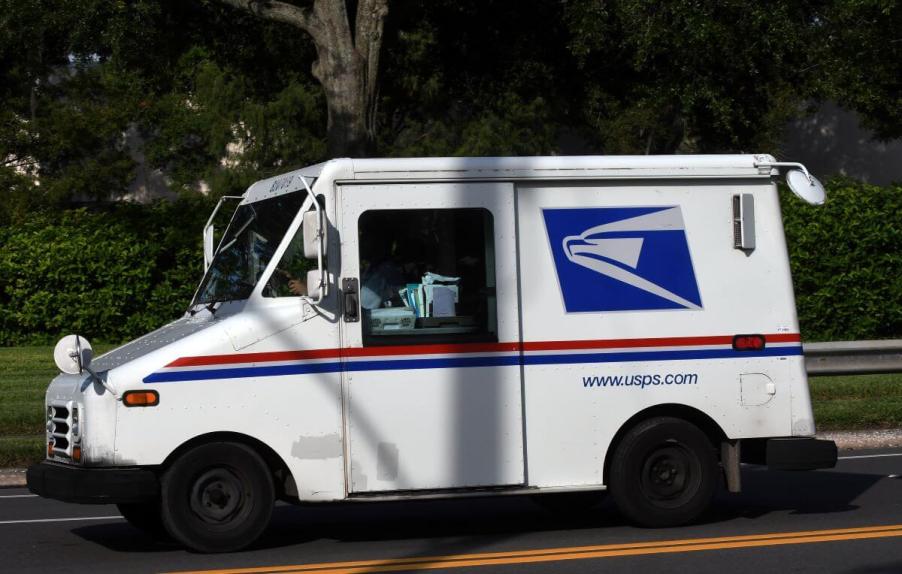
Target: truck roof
{"x":521,"y":168}
{"x":556,"y":166}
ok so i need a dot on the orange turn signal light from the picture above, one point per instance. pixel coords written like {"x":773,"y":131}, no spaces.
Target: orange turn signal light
{"x":76,"y":454}
{"x":50,"y":448}
{"x":141,"y":398}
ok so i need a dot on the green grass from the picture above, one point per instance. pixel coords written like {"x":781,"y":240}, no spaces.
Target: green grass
{"x":862,"y":402}
{"x":25,"y":373}
{"x":840,"y":403}
{"x":19,"y":452}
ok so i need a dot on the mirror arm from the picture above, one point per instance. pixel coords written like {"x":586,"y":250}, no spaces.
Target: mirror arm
{"x":321,"y":292}
{"x":775,"y":164}
{"x":82,"y":367}
{"x":103,"y":383}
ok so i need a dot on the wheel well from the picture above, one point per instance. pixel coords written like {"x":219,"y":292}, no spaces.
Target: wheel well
{"x":690,"y":414}
{"x":282,"y":478}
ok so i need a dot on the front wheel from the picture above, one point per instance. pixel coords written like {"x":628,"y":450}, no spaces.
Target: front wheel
{"x":663,"y":472}
{"x":217,"y":497}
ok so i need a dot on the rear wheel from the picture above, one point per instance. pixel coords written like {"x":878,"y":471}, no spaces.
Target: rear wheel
{"x":217,"y":497}
{"x":663,"y":472}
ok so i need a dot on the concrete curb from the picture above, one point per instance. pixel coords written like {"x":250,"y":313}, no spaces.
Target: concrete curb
{"x":845,"y":440}
{"x":865,"y":439}
{"x":10,"y":477}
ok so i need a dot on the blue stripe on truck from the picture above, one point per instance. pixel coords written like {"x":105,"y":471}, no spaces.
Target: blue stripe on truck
{"x":466,"y":362}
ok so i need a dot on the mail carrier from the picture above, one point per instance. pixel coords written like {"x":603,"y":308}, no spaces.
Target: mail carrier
{"x":379,"y":329}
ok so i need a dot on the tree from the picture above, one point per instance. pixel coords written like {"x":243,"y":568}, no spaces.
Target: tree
{"x":693,"y":76}
{"x":347,"y":64}
{"x":220,"y":91}
{"x":61,"y":116}
{"x":475,"y":77}
{"x":860,"y":61}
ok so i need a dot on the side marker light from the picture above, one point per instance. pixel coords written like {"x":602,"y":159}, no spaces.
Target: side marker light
{"x":748,"y":342}
{"x":141,"y":398}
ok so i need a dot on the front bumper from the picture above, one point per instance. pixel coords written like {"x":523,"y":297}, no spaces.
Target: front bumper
{"x":92,"y":485}
{"x":800,"y":453}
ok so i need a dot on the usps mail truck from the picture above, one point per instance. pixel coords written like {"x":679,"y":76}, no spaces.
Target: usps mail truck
{"x":384,"y":329}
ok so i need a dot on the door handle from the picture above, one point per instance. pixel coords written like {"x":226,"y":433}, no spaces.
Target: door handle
{"x":351,"y":299}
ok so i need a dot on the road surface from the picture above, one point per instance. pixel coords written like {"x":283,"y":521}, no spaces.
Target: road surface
{"x":845,"y":520}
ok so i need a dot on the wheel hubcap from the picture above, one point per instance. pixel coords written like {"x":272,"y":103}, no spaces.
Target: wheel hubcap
{"x":667,"y":473}
{"x":217,"y":495}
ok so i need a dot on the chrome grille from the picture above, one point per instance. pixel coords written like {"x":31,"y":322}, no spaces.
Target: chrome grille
{"x":59,"y":429}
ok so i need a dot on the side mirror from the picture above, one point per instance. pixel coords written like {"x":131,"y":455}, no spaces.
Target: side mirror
{"x":315,"y":284}
{"x":802,"y":183}
{"x":314,"y":232}
{"x":208,"y":246}
{"x":208,"y":231}
{"x":806,"y":186}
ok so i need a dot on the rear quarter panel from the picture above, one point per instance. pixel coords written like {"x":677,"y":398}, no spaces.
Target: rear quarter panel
{"x":569,"y":423}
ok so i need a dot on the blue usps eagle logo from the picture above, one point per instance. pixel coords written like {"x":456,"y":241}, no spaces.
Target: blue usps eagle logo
{"x":622,"y":258}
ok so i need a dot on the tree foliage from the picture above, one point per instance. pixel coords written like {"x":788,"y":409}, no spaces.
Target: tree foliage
{"x":861,"y":61}
{"x":61,"y":123}
{"x":690,"y":76}
{"x":116,"y":273}
{"x":217,"y":97}
{"x":212,"y":98}
{"x":111,"y":274}
{"x":846,"y":262}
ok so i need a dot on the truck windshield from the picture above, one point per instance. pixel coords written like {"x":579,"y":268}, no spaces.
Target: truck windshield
{"x":247,"y":247}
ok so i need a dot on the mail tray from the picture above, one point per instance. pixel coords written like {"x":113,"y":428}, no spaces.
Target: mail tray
{"x":392,"y":319}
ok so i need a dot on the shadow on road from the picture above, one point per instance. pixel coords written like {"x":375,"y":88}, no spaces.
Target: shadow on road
{"x":471,"y":525}
{"x":883,"y":568}
{"x":819,"y":492}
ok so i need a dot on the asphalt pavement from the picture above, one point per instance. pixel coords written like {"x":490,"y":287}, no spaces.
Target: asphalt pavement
{"x":845,"y":520}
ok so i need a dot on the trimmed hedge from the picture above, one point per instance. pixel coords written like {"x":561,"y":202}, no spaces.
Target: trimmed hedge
{"x":846,"y":258}
{"x":117,"y":273}
{"x":109,"y":275}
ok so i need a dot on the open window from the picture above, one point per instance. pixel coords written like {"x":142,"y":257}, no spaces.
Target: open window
{"x":427,"y":276}
{"x":291,"y":276}
{"x":289,"y":279}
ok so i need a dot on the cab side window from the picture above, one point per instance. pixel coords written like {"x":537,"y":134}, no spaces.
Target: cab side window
{"x":427,"y":276}
{"x":290,"y":277}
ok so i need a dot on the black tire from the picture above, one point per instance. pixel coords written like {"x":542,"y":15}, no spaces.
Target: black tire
{"x":217,"y":497}
{"x":145,"y":517}
{"x":664,"y":472}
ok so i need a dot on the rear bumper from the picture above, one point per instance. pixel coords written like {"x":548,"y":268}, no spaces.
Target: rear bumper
{"x":800,"y":453}
{"x":92,"y":485}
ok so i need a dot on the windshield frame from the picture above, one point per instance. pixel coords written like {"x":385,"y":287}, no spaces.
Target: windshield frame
{"x":282,"y":245}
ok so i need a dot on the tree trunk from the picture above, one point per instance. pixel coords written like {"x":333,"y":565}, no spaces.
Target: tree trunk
{"x":347,"y":63}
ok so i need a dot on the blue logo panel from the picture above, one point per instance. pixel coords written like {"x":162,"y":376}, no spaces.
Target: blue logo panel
{"x":622,"y":258}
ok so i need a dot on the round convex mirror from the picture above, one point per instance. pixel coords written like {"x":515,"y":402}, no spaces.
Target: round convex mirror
{"x":73,"y":354}
{"x":810,"y":190}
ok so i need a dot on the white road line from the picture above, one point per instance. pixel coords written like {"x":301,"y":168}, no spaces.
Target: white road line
{"x":18,"y":495}
{"x":869,"y":456}
{"x":59,"y":519}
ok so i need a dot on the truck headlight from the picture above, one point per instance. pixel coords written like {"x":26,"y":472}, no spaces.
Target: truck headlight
{"x":75,"y":426}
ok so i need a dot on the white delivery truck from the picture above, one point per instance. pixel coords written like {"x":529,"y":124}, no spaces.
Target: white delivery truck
{"x":380,"y":329}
